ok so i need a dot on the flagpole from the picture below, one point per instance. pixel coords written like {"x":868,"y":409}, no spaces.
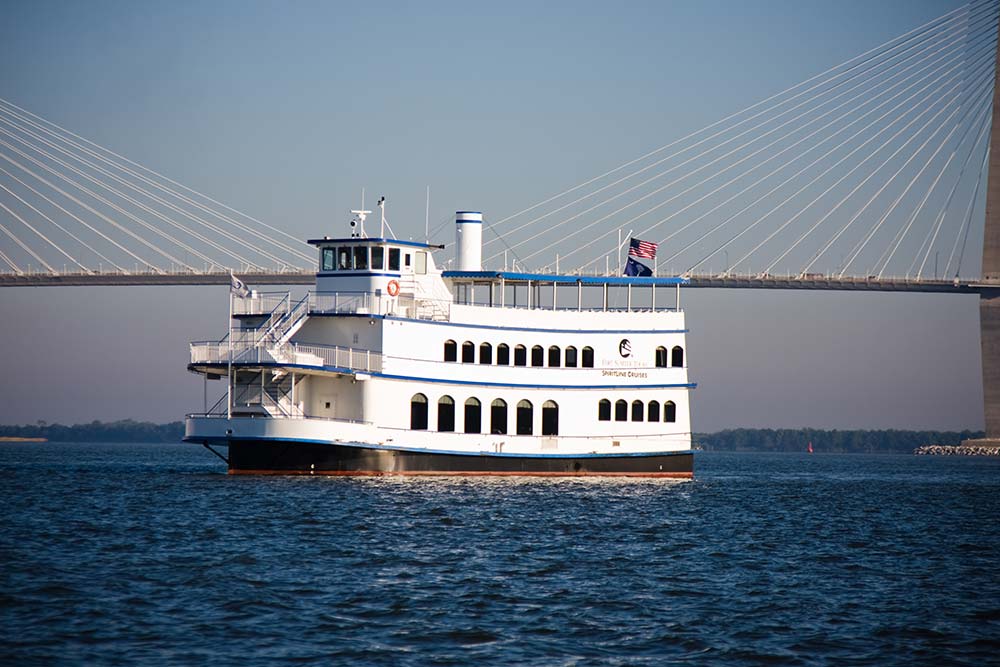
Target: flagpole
{"x":229,"y":383}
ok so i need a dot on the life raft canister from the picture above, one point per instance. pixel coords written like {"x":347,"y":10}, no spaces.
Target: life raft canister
{"x":392,"y":288}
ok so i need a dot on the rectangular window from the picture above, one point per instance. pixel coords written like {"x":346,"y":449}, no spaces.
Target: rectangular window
{"x":328,"y":260}
{"x":394,"y":259}
{"x":344,"y":260}
{"x":421,"y":264}
{"x":378,"y":258}
{"x":406,"y":260}
{"x":360,"y":257}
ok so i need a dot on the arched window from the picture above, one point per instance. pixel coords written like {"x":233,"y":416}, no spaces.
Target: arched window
{"x":669,"y":412}
{"x":486,"y":353}
{"x":570,"y":357}
{"x":473,"y":416}
{"x":418,"y":412}
{"x":520,"y":356}
{"x":468,"y":352}
{"x":525,"y":418}
{"x":653,"y":412}
{"x":503,"y":355}
{"x":661,"y":357}
{"x":555,"y":356}
{"x":604,"y":410}
{"x":498,"y":417}
{"x":637,"y":411}
{"x":537,"y":356}
{"x":588,"y":357}
{"x":677,"y":356}
{"x":550,"y":418}
{"x":621,"y":411}
{"x":450,"y":350}
{"x":446,"y":414}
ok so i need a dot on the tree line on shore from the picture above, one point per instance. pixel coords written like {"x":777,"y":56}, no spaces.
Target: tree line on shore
{"x":125,"y":430}
{"x":839,"y":442}
{"x":738,"y":440}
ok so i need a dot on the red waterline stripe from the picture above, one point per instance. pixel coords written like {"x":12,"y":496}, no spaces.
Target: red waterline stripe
{"x":435,"y":473}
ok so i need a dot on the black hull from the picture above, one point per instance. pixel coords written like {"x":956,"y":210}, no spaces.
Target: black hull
{"x":275,"y":457}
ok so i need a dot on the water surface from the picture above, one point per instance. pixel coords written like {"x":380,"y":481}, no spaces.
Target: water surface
{"x":149,"y":554}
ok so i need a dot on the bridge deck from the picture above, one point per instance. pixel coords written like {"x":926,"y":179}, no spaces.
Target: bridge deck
{"x":309,"y":277}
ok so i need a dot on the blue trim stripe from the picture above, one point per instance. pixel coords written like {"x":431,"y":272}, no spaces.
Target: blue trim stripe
{"x":415,"y":378}
{"x":452,"y":452}
{"x":564,"y":279}
{"x":537,"y":330}
{"x":351,"y":273}
{"x":369,"y":241}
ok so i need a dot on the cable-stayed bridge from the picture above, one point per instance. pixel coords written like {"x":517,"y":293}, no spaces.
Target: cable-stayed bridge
{"x":879,"y":173}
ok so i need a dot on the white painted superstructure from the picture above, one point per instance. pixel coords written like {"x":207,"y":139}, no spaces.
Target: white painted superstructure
{"x":392,"y":352}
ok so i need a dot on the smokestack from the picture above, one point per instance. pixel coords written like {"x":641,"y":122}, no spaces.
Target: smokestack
{"x":468,"y":241}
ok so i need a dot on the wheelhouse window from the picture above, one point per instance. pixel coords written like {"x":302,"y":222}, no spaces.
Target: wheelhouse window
{"x":588,"y":357}
{"x":550,"y":418}
{"x":329,"y":260}
{"x":555,"y":357}
{"x":621,"y":411}
{"x":669,"y":412}
{"x":637,"y":411}
{"x":473,"y":416}
{"x":677,"y":356}
{"x":570,"y":357}
{"x":344,"y":259}
{"x":498,"y":417}
{"x":661,"y":357}
{"x":421,"y":263}
{"x":537,"y":356}
{"x":360,"y":257}
{"x":468,"y":352}
{"x":378,"y":258}
{"x":446,"y":414}
{"x":450,"y":350}
{"x":485,"y":354}
{"x":525,"y":418}
{"x":653,"y":413}
{"x":604,"y":410}
{"x":394,"y":259}
{"x":418,"y":412}
{"x":520,"y":356}
{"x":503,"y":355}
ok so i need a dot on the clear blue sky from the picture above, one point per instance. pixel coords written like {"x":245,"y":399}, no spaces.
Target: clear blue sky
{"x":286,"y":110}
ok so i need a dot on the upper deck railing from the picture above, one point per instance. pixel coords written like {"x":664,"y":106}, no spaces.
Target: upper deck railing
{"x":247,"y":351}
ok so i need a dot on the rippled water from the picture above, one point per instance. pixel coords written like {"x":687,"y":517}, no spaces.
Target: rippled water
{"x":148,"y":554}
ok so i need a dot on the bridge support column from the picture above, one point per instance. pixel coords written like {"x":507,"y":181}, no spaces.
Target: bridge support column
{"x":989,"y":333}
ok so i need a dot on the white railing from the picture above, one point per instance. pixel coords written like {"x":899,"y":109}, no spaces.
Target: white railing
{"x":261,"y":303}
{"x":376,"y":303}
{"x":316,"y":356}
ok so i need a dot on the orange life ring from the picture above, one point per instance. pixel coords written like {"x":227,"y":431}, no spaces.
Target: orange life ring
{"x":392,"y":288}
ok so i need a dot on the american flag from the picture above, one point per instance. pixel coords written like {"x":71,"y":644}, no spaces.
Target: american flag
{"x":641,"y":249}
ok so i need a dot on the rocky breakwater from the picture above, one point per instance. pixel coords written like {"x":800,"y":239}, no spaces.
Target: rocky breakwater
{"x":982,"y":447}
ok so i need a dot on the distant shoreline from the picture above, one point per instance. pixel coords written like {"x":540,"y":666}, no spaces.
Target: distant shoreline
{"x":729,"y":440}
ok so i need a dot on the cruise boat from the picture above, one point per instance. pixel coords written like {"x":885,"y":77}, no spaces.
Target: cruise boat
{"x":395,"y":366}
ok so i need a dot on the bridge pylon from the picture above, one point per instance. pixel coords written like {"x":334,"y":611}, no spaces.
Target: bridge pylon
{"x":989,"y":296}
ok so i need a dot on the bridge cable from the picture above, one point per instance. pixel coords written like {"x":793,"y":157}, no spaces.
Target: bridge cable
{"x":147,"y":194}
{"x":54,"y":204}
{"x":20,"y":243}
{"x":902,"y":39}
{"x":814,"y":180}
{"x":130,"y":200}
{"x":192,"y":202}
{"x":117,"y":208}
{"x":968,"y":213}
{"x":869,"y":98}
{"x":928,"y":85}
{"x":26,"y":203}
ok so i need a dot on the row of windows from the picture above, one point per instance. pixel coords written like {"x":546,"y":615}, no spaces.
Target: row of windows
{"x":572,"y":357}
{"x":363,"y":258}
{"x":524,"y":416}
{"x":554,"y":357}
{"x":640,"y":411}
